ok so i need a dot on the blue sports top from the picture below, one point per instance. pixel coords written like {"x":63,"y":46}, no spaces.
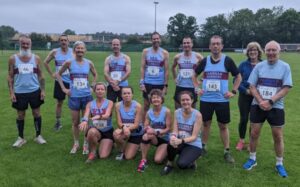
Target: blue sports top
{"x":158,"y":122}
{"x":128,"y":117}
{"x":117,"y":68}
{"x":154,"y":67}
{"x":215,"y":81}
{"x":269,"y":80}
{"x":102,"y":125}
{"x":79,"y":73}
{"x":60,"y":58}
{"x":186,"y":127}
{"x":186,"y":66}
{"x":25,"y":75}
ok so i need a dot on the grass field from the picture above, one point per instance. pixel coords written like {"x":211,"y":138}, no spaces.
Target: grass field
{"x":52,"y":165}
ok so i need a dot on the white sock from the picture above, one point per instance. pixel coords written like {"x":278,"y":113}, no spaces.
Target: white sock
{"x":76,"y":142}
{"x":253,"y":155}
{"x":279,"y":161}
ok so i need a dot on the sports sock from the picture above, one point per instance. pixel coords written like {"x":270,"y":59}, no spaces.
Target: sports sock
{"x":253,"y":155}
{"x":38,"y":125}
{"x":20,"y":126}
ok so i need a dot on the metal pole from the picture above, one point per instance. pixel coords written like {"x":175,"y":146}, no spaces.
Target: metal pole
{"x":155,"y":4}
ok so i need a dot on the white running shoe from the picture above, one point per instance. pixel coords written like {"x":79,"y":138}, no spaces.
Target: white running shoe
{"x":20,"y":141}
{"x":40,"y":140}
{"x":85,"y":148}
{"x":74,"y":148}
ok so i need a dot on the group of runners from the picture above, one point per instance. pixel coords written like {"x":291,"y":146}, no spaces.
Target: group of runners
{"x":262,"y":85}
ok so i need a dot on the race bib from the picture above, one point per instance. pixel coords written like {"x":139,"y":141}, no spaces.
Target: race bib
{"x":267,"y":92}
{"x":128,"y":124}
{"x":66,"y":72}
{"x":25,"y":68}
{"x":153,"y":71}
{"x":186,"y":73}
{"x":213,"y":85}
{"x":183,"y":134}
{"x":100,"y":124}
{"x":116,"y":75}
{"x":80,"y":83}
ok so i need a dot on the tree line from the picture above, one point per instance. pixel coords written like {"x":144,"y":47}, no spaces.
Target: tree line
{"x":237,"y":29}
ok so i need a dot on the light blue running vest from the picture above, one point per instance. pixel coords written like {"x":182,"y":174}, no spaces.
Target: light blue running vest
{"x":79,"y":73}
{"x":155,"y":67}
{"x":186,"y":126}
{"x":117,"y":68}
{"x":159,"y":122}
{"x":215,"y":81}
{"x":25,"y":75}
{"x":102,"y":125}
{"x":186,"y":66}
{"x":60,"y":58}
{"x":129,"y":117}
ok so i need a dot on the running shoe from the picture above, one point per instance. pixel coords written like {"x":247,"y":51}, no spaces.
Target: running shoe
{"x":120,"y":156}
{"x":74,"y":148}
{"x":40,"y":140}
{"x":249,"y":164}
{"x":281,"y":171}
{"x":228,"y":157}
{"x":85,"y":149}
{"x":19,"y":142}
{"x":142,"y":166}
{"x":240,"y":145}
{"x":57,"y":126}
{"x":91,"y":157}
{"x":166,"y":170}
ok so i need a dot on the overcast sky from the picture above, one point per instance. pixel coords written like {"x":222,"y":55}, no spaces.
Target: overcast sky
{"x":117,"y":16}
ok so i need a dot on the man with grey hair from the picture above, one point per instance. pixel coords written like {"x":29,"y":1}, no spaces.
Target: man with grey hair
{"x":26,"y":86}
{"x":270,"y":82}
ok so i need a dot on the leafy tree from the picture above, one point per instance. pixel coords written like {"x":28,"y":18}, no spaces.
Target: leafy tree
{"x":6,"y":32}
{"x":288,"y":26}
{"x":180,"y":26}
{"x":133,"y":39}
{"x":215,"y":25}
{"x":69,"y":32}
{"x":241,"y":31}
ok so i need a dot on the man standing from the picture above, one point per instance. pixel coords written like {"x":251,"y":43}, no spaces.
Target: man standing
{"x":117,"y":68}
{"x":60,"y":55}
{"x":215,"y":94}
{"x":26,"y":86}
{"x":270,"y":82}
{"x":154,"y":70}
{"x":187,"y":61}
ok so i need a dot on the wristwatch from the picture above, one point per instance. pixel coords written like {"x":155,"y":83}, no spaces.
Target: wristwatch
{"x":233,"y":91}
{"x":271,"y":101}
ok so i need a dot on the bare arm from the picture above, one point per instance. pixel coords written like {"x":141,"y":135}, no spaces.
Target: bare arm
{"x":10,"y":78}
{"x":143,"y":64}
{"x":65,"y":66}
{"x":128,"y":68}
{"x":175,"y":125}
{"x":137,"y":118}
{"x":107,"y":112}
{"x":168,"y":122}
{"x":175,"y":62}
{"x":282,"y":93}
{"x":106,"y":71}
{"x":48,"y":59}
{"x":166,"y":56}
{"x":94,"y":73}
{"x":119,"y":121}
{"x":255,"y":94}
{"x":237,"y":82}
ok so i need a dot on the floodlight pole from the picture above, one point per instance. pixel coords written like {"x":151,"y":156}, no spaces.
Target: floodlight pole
{"x":155,"y":5}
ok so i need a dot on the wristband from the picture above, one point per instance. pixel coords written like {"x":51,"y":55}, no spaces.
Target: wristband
{"x":122,"y":127}
{"x":84,"y":119}
{"x":271,"y":102}
{"x":142,"y":81}
{"x":166,"y":85}
{"x":233,"y":91}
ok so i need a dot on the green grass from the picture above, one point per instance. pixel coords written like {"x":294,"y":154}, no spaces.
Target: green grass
{"x":52,"y":165}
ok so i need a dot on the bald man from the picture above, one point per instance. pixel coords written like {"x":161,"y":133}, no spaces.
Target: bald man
{"x":117,"y":68}
{"x":270,"y":82}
